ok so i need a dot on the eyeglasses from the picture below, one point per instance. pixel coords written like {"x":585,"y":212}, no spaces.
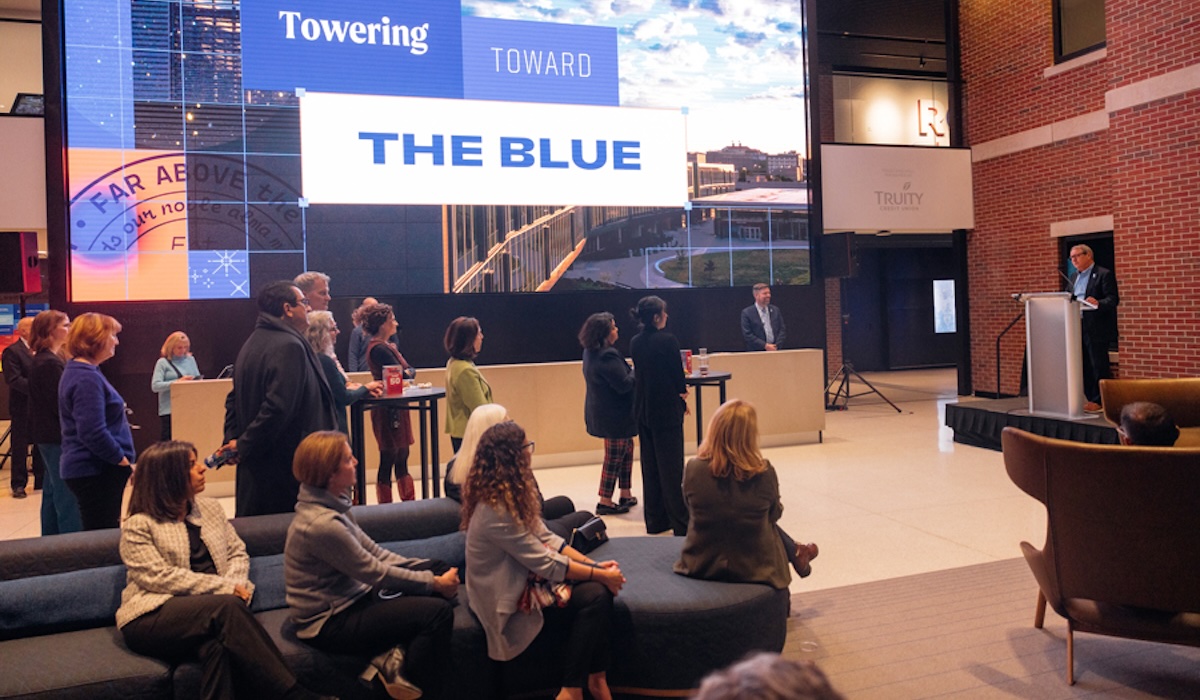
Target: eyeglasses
{"x":303,"y":302}
{"x":529,"y":445}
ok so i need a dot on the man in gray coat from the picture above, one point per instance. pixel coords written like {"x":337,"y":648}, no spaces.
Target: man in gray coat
{"x":279,"y":396}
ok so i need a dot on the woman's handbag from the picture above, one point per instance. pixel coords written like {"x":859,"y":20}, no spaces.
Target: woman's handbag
{"x":540,"y":593}
{"x":589,"y":535}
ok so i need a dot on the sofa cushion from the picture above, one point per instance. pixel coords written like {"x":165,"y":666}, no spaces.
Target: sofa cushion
{"x":89,"y":665}
{"x":60,"y":602}
{"x":39,"y":556}
{"x":670,"y":631}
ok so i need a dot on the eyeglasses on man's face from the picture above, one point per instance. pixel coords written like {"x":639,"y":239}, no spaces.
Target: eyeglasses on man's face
{"x":302,"y":302}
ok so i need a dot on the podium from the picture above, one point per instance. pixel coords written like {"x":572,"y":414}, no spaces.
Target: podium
{"x":1054,"y":352}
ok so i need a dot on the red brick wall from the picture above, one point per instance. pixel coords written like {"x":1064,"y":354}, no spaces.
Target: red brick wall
{"x":1144,"y":170}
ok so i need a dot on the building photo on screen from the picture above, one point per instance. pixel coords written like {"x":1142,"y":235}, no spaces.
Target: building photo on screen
{"x":433,"y":147}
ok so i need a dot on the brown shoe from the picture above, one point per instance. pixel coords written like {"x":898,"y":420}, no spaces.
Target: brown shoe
{"x":1092,"y":407}
{"x":805,"y":553}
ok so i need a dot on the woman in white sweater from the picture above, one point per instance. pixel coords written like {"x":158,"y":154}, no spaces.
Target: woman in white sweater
{"x":189,"y":586}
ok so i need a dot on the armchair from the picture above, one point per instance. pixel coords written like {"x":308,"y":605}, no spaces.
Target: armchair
{"x":1181,"y":398}
{"x":1122,"y":551}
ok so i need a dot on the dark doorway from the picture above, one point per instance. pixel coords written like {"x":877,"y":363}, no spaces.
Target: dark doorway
{"x":888,"y":307}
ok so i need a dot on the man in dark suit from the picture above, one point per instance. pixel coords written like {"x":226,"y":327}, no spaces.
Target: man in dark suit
{"x":279,"y":396}
{"x":17,"y":360}
{"x":762,"y":323}
{"x":1097,"y":286}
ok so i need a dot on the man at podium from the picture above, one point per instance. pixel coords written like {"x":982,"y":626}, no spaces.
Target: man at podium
{"x":1097,"y":286}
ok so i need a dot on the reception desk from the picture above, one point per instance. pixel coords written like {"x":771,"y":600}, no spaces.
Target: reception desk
{"x":787,"y":387}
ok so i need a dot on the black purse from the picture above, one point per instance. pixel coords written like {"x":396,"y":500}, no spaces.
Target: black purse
{"x":589,"y":535}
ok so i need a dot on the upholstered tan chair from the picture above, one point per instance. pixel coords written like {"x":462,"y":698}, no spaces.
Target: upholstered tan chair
{"x":1122,"y":551}
{"x":1181,"y":398}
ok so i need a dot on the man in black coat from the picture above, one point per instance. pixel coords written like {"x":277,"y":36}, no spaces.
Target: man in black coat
{"x":17,"y":360}
{"x":762,"y":323}
{"x":279,"y":396}
{"x":1097,"y":286}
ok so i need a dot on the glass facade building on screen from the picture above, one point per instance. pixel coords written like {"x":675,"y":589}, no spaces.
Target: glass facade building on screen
{"x":433,"y":147}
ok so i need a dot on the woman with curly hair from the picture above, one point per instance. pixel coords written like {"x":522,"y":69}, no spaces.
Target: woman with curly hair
{"x":392,"y":426}
{"x":732,"y":495}
{"x":508,"y":544}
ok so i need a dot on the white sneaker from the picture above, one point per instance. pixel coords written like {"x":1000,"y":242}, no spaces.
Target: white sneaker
{"x":390,"y":665}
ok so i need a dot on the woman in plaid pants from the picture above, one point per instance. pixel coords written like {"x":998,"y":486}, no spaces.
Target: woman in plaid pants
{"x":608,"y":409}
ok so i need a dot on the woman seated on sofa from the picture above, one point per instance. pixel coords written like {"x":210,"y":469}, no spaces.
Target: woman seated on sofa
{"x":732,"y":495}
{"x":188,"y":586}
{"x":349,"y":595}
{"x":506,"y":542}
{"x":558,"y":511}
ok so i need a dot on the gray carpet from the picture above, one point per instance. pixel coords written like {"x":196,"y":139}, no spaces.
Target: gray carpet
{"x":968,"y":633}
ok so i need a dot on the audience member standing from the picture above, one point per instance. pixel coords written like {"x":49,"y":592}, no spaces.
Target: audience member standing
{"x":659,"y":404}
{"x":762,"y":322}
{"x":392,"y":425}
{"x":188,"y":584}
{"x":60,"y":509}
{"x":279,"y":395}
{"x":466,"y":389}
{"x":608,"y":409}
{"x":322,"y":333}
{"x":175,"y":364}
{"x":17,"y":359}
{"x":732,"y":495}
{"x":97,"y":444}
{"x":315,"y":287}
{"x":359,"y":338}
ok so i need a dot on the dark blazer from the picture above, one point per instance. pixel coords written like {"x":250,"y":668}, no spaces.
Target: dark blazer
{"x":731,"y":532}
{"x":342,"y":397}
{"x":1101,"y":325}
{"x":44,"y":428}
{"x":658,"y":379}
{"x":752,"y":327}
{"x":18,"y":361}
{"x":279,"y":396}
{"x":608,"y":406}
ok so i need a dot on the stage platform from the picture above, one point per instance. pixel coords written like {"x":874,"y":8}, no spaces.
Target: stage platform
{"x":979,"y":423}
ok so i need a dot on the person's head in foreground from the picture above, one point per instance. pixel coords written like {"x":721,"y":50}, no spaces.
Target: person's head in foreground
{"x":1148,"y":425}
{"x":731,"y":442}
{"x":501,"y":476}
{"x":323,"y":460}
{"x":766,"y":676}
{"x":168,"y":477}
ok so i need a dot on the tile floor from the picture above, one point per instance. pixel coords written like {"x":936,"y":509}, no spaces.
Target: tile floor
{"x":886,"y":494}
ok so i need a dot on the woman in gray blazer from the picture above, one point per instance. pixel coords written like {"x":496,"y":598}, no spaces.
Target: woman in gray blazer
{"x":507,"y":542}
{"x":348,"y":595}
{"x":732,"y":496}
{"x":189,"y":589}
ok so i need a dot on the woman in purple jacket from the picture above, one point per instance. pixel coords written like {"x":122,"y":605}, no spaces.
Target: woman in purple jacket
{"x":97,"y":445}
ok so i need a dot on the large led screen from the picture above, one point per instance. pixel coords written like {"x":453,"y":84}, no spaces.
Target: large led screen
{"x":433,"y":146}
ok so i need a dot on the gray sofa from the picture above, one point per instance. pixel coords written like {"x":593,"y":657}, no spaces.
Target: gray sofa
{"x":58,"y":596}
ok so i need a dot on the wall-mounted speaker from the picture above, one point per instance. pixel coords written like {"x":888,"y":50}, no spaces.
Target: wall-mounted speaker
{"x":20,"y":272}
{"x":838,"y":255}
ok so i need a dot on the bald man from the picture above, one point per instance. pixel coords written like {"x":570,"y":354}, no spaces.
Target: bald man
{"x":17,"y":360}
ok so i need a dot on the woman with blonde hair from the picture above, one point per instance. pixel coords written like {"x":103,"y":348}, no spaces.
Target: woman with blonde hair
{"x":507,"y":542}
{"x":557,"y":511}
{"x":732,"y":495}
{"x":322,"y":333}
{"x":175,"y":364}
{"x":97,"y":443}
{"x":349,"y":595}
